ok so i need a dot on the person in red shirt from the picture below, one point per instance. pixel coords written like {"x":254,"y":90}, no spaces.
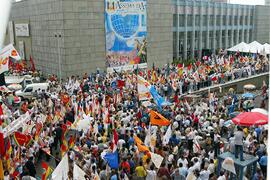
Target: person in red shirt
{"x":125,"y":165}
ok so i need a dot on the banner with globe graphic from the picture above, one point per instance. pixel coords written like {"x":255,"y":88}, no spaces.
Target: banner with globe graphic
{"x":126,"y":30}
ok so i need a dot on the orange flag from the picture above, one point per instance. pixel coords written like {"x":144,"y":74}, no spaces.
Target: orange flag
{"x":137,"y":140}
{"x":158,"y":119}
{"x":141,"y":148}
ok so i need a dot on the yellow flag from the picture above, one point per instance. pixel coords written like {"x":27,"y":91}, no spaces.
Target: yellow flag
{"x":1,"y":170}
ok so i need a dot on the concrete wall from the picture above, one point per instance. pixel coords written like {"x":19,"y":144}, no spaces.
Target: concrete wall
{"x":45,"y":19}
{"x":262,"y":24}
{"x":84,"y":36}
{"x":160,"y":36}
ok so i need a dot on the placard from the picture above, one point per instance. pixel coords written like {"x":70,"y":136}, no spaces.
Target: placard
{"x":22,"y":29}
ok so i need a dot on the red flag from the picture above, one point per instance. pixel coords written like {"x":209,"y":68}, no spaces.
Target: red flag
{"x":180,"y":65}
{"x":33,"y":68}
{"x":214,"y":78}
{"x":120,"y":84}
{"x":18,"y":67}
{"x":198,"y":63}
{"x":189,"y":67}
{"x":115,"y":140}
{"x":2,"y":144}
{"x":71,"y":141}
{"x":64,"y":128}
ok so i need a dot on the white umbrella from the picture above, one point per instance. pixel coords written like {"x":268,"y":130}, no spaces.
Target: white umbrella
{"x":260,"y":110}
{"x":249,"y":86}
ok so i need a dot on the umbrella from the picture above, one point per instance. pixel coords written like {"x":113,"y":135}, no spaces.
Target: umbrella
{"x":260,"y":110}
{"x":248,"y":95}
{"x":234,"y":114}
{"x":249,"y":86}
{"x":250,"y":118}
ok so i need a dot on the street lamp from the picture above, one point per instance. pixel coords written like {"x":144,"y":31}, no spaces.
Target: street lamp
{"x":58,"y":36}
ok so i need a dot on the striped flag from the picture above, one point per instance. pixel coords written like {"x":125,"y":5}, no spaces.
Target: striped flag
{"x":47,"y":170}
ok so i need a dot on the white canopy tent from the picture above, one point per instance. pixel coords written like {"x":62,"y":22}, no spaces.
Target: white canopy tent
{"x":242,"y":47}
{"x":266,"y":48}
{"x":253,"y":47}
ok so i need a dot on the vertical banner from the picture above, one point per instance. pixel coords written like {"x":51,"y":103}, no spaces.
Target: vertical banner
{"x":21,"y":49}
{"x":126,"y":30}
{"x":11,"y":32}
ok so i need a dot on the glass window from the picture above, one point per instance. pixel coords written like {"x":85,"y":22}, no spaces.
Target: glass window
{"x":174,"y":20}
{"x":224,"y":20}
{"x":235,"y":20}
{"x":204,"y":40}
{"x":250,"y":36}
{"x":230,"y":20}
{"x":223,"y":39}
{"x":181,"y":20}
{"x":29,"y":89}
{"x":204,"y":20}
{"x":211,"y":20}
{"x":251,"y":20}
{"x":240,"y":36}
{"x":189,"y":20}
{"x":235,"y":37}
{"x":174,"y":44}
{"x":241,"y":20}
{"x":218,"y":20}
{"x":246,"y":20}
{"x":197,"y":20}
{"x":211,"y":40}
{"x":181,"y":44}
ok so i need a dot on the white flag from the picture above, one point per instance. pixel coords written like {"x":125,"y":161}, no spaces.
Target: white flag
{"x":61,"y":171}
{"x":156,"y":159}
{"x":148,"y":136}
{"x":228,"y":164}
{"x":78,"y":173}
{"x":143,"y":89}
{"x":167,"y":136}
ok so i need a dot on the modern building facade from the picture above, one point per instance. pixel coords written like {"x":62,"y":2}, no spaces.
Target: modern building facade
{"x":262,"y":24}
{"x":201,"y":25}
{"x":68,"y":36}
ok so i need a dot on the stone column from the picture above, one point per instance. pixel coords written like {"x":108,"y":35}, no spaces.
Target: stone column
{"x":193,"y":30}
{"x":215,"y":29}
{"x":185,"y":34}
{"x":226,"y":26}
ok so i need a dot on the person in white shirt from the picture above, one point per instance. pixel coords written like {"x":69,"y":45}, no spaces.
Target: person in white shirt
{"x":151,"y":174}
{"x":211,"y":167}
{"x":204,"y":174}
{"x":183,"y":161}
{"x":221,"y":176}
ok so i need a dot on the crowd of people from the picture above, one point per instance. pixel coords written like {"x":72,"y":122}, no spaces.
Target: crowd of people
{"x":186,"y":148}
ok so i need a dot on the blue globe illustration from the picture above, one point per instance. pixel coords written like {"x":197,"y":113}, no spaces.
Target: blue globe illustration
{"x":125,"y":26}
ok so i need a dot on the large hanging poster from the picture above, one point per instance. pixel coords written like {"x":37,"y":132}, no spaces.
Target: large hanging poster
{"x":125,"y":25}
